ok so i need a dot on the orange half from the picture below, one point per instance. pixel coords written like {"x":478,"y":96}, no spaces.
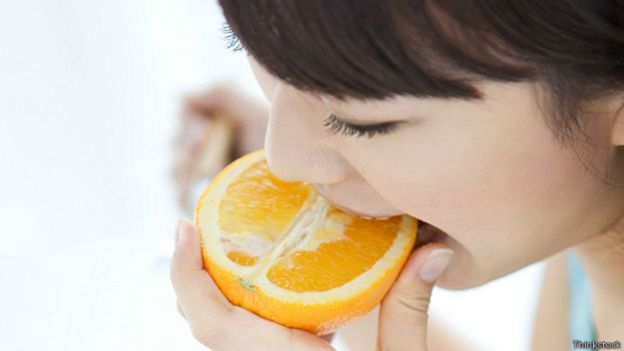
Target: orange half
{"x":282,"y":251}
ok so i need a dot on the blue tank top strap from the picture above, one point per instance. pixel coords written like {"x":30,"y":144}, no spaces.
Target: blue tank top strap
{"x":581,"y":323}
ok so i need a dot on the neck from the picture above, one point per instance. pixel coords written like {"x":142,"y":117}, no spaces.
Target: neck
{"x":603,"y":258}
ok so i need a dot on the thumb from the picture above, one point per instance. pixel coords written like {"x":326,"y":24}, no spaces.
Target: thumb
{"x":403,"y":312}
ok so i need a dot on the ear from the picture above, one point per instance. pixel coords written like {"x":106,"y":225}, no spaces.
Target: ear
{"x":617,"y":128}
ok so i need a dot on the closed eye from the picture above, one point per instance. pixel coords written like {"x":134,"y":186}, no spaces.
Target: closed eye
{"x":336,"y":125}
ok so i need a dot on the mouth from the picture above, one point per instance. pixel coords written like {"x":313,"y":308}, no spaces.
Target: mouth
{"x":352,"y":200}
{"x":428,"y":233}
{"x":357,"y":213}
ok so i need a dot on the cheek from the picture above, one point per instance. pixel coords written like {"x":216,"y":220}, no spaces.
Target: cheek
{"x":504,"y":190}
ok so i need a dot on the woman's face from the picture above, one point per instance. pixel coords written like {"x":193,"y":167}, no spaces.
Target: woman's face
{"x":487,"y":172}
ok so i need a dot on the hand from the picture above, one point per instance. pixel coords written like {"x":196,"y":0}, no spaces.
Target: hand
{"x":216,"y":323}
{"x":603,"y":259}
{"x":222,"y":119}
{"x":403,"y":315}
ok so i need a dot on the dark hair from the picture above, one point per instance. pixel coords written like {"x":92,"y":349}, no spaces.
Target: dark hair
{"x":437,"y":48}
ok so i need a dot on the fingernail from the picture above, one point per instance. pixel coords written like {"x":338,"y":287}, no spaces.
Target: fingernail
{"x":435,"y":264}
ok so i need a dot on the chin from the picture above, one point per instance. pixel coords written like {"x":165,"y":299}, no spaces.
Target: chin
{"x":462,"y":272}
{"x":464,"y":275}
{"x":458,"y":280}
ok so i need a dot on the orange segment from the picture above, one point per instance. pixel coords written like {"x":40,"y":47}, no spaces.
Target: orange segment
{"x":281,"y":250}
{"x":363,"y":243}
{"x":242,"y":258}
{"x":261,"y":204}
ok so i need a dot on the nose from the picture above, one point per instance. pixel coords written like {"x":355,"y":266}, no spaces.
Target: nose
{"x":297,"y":145}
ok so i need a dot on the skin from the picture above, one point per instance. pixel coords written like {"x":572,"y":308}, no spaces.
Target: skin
{"x":489,"y":173}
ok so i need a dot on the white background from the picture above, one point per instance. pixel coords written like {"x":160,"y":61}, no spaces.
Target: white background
{"x":89,"y":94}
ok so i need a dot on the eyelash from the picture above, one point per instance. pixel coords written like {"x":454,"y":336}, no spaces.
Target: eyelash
{"x":233,"y":43}
{"x":335,"y":125}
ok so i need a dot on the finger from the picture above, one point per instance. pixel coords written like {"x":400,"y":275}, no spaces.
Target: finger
{"x":214,"y":321}
{"x":404,"y":311}
{"x":214,"y":99}
{"x":197,"y":293}
{"x":190,"y":281}
{"x":228,"y":98}
{"x":180,"y":309}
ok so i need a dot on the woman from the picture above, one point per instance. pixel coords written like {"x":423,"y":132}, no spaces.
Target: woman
{"x":498,"y":123}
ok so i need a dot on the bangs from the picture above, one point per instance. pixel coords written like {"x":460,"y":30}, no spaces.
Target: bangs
{"x":373,"y":48}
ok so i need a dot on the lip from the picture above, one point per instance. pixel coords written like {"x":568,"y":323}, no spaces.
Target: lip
{"x":427,"y":233}
{"x":356,"y":213}
{"x":347,"y":209}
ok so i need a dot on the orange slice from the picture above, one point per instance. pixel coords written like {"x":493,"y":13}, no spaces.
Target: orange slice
{"x":282,"y":251}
